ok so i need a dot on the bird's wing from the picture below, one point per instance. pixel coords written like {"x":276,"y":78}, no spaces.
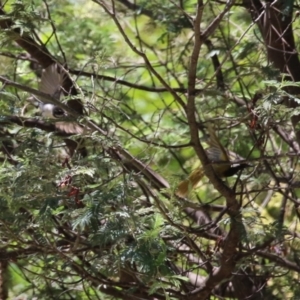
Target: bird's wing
{"x":52,"y":81}
{"x":69,"y":127}
{"x":216,"y":152}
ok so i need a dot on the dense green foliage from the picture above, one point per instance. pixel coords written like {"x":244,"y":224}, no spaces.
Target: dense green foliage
{"x":99,"y":226}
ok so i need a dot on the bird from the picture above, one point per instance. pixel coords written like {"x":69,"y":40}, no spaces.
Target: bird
{"x":51,"y":84}
{"x":221,"y":162}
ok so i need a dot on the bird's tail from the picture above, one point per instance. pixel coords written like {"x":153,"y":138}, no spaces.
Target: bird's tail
{"x":187,"y":185}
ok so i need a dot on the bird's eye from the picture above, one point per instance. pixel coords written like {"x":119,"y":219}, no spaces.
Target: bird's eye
{"x":58,"y":112}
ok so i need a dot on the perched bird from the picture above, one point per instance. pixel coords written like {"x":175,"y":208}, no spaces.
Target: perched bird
{"x":51,"y":84}
{"x":221,"y":162}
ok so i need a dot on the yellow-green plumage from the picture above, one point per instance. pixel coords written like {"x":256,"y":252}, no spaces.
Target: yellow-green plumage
{"x":219,"y":157}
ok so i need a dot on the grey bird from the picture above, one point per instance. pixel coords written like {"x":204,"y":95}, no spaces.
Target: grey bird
{"x":51,"y":84}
